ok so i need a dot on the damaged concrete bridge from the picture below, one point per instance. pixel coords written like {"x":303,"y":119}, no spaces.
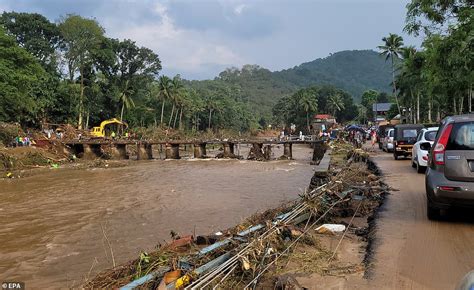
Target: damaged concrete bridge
{"x":261,"y":149}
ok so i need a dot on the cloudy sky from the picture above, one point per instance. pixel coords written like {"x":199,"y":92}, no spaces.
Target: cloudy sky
{"x":199,"y":38}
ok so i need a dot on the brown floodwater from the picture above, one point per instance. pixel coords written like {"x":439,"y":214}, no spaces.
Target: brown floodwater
{"x":52,"y":224}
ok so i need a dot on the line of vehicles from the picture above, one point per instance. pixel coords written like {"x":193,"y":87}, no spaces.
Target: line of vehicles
{"x":445,"y":153}
{"x":405,"y":140}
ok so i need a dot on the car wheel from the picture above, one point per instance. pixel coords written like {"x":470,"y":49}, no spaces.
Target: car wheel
{"x":432,"y":213}
{"x":420,"y":169}
{"x":413,"y":164}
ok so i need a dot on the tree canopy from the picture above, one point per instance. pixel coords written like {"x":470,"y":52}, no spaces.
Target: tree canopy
{"x":24,"y":95}
{"x":71,"y":71}
{"x":437,"y":80}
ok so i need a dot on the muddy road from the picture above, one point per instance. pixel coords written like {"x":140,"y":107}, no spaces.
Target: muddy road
{"x":411,"y":251}
{"x":52,"y":224}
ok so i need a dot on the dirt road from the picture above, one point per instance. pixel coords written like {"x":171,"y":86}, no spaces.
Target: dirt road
{"x":412,"y":252}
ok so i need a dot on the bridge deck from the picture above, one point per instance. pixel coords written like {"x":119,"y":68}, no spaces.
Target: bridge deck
{"x":179,"y":142}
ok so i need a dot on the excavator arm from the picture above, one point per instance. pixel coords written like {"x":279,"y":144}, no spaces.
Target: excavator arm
{"x":100,"y":131}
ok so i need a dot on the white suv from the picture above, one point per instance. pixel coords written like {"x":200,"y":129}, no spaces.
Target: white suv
{"x":424,"y":141}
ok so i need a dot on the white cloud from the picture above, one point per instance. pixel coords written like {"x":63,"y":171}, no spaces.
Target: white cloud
{"x":240,"y":8}
{"x":180,"y":49}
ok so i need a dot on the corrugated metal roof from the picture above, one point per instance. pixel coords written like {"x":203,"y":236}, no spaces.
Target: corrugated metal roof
{"x":381,"y":107}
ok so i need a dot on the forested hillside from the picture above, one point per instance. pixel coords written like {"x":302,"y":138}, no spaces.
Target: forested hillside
{"x":72,"y":72}
{"x":353,"y":71}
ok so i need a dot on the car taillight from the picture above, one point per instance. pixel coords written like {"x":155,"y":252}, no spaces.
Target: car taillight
{"x":449,"y":188}
{"x":425,"y":157}
{"x":440,"y":148}
{"x":400,"y":142}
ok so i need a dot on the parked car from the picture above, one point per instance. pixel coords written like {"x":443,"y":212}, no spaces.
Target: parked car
{"x":381,"y":133}
{"x":450,"y":173}
{"x":387,"y":144}
{"x":424,"y":141}
{"x":403,"y":139}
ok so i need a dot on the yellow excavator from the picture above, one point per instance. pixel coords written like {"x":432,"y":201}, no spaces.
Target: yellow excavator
{"x":99,"y":132}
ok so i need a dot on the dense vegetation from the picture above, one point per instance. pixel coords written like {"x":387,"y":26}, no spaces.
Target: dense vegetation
{"x":71,"y":72}
{"x":352,"y":71}
{"x":299,"y":108}
{"x":436,"y":80}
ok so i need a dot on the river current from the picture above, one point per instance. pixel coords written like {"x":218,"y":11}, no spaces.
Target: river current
{"x":52,"y":224}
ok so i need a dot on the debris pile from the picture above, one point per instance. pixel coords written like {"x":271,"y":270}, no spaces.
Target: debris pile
{"x":28,"y":157}
{"x":8,"y":132}
{"x":260,"y":250}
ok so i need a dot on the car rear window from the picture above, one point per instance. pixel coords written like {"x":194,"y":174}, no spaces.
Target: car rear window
{"x":409,"y":133}
{"x":390,"y":133}
{"x":462,"y":137}
{"x":430,"y":135}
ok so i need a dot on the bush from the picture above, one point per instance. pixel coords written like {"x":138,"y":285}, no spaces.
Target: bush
{"x":8,"y":132}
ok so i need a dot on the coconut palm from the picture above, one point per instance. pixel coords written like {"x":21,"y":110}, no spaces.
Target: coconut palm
{"x":335,"y":103}
{"x":126,"y":99}
{"x":211,"y":104}
{"x":176,"y":91}
{"x":410,"y":79}
{"x":307,"y":101}
{"x":164,"y":93}
{"x":391,"y":49}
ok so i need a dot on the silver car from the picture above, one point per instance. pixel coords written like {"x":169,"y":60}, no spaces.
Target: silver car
{"x":387,"y":144}
{"x":450,"y":173}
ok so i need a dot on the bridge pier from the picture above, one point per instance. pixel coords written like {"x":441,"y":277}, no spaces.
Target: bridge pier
{"x":200,"y":150}
{"x":119,"y":151}
{"x":267,"y":152}
{"x":172,"y":151}
{"x":287,"y":151}
{"x":257,"y":152}
{"x":144,"y":151}
{"x":91,"y":151}
{"x":318,"y":152}
{"x":228,"y":149}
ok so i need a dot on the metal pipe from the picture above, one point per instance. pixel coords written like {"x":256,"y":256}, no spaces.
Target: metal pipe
{"x":219,"y":244}
{"x":199,"y":271}
{"x":144,"y":279}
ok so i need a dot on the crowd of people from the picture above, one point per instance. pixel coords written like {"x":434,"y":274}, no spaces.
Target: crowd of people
{"x":21,"y":141}
{"x":358,"y":137}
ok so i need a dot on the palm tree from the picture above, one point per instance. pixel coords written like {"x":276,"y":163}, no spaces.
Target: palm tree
{"x":126,"y":99}
{"x":307,"y":101}
{"x":164,"y":92}
{"x":175,"y":94}
{"x":392,"y":49}
{"x":335,"y":103}
{"x":410,"y":79}
{"x":211,"y":104}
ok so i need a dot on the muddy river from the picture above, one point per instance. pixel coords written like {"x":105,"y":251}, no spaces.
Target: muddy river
{"x":52,"y":224}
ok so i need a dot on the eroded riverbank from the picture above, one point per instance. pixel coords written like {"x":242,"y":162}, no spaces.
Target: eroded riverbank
{"x":51,"y":225}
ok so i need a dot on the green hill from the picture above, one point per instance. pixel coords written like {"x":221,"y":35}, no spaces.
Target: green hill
{"x":353,"y":71}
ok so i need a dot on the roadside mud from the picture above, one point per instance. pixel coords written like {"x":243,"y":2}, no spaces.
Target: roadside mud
{"x":370,"y":234}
